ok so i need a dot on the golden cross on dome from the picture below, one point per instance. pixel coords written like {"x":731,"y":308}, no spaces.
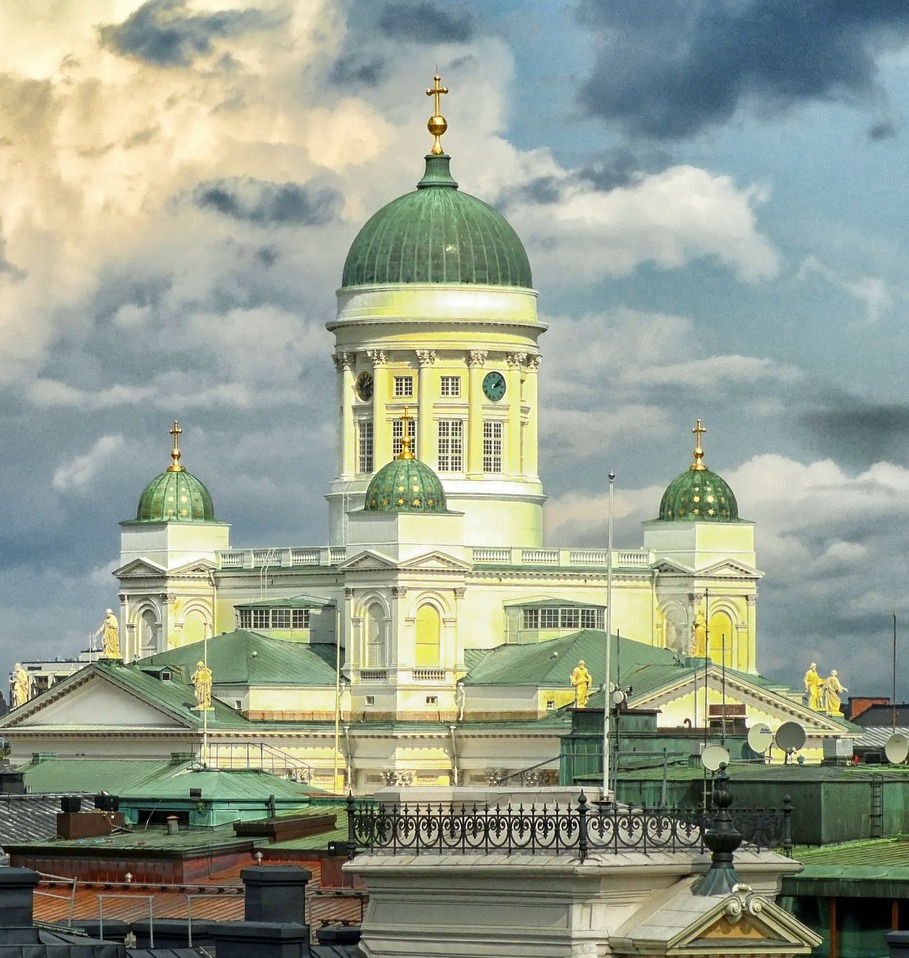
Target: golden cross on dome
{"x":437,"y":124}
{"x":406,"y":441}
{"x":175,"y":466}
{"x":698,"y":464}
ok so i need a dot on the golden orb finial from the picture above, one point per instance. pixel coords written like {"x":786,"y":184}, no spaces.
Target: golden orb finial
{"x":406,"y":441}
{"x":698,"y":464}
{"x":437,"y":123}
{"x":175,"y":454}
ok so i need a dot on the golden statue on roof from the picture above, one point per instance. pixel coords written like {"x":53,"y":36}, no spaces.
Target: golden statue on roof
{"x":202,"y":682}
{"x":581,"y":680}
{"x":109,"y":630}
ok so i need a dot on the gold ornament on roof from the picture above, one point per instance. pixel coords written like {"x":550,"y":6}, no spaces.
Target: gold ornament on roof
{"x":698,"y":464}
{"x":406,"y":442}
{"x":437,"y":123}
{"x":202,"y":683}
{"x":581,"y":680}
{"x":175,"y":454}
{"x":109,"y":631}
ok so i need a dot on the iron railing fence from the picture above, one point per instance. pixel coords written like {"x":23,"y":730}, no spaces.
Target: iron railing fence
{"x":549,"y":829}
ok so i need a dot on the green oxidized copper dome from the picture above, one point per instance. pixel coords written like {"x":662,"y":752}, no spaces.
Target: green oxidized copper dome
{"x":437,"y":234}
{"x":175,"y":495}
{"x":405,"y":485}
{"x":699,"y":494}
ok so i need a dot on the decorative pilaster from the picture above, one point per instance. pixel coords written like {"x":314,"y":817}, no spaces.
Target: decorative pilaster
{"x":476,"y":361}
{"x":344,"y":364}
{"x":513,"y":439}
{"x":532,"y":429}
{"x":380,"y":431}
{"x":426,"y":359}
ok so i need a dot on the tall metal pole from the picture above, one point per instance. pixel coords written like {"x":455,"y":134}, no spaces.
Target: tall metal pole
{"x":334,"y":781}
{"x":608,"y":696}
{"x":894,"y":671}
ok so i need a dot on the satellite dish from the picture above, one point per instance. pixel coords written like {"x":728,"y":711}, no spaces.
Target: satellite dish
{"x":897,"y":748}
{"x":760,"y":738}
{"x":790,"y":737}
{"x":713,"y":757}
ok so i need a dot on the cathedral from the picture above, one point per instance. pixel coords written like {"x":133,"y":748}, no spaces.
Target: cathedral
{"x":432,"y":639}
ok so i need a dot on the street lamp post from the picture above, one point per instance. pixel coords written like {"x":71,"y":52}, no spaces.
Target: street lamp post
{"x":606,"y":683}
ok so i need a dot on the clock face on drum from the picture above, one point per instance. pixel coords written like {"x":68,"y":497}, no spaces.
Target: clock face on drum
{"x":364,"y":386}
{"x":494,"y":386}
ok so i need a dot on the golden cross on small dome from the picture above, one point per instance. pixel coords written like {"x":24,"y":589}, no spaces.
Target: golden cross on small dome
{"x":698,"y":464}
{"x":437,"y":123}
{"x":406,"y":441}
{"x":175,"y":466}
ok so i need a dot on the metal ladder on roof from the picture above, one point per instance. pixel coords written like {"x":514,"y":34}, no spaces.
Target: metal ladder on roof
{"x":259,"y":755}
{"x":876,"y":815}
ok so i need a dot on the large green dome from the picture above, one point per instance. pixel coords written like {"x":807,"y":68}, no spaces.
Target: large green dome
{"x":699,"y":495}
{"x":437,"y":234}
{"x":175,"y":497}
{"x":405,"y":485}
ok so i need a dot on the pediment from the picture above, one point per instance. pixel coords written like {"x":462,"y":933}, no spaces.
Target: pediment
{"x":729,"y":568}
{"x":140,"y":568}
{"x":367,"y":561}
{"x":778,"y":708}
{"x":666,"y":567}
{"x":90,"y":698}
{"x":683,"y":923}
{"x":195,"y":567}
{"x":436,"y":560}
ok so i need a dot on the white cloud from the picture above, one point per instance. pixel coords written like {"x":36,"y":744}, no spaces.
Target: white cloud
{"x":76,"y":474}
{"x":872,"y":292}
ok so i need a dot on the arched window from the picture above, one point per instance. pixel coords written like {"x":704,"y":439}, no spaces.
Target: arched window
{"x":375,"y":636}
{"x":722,"y":638}
{"x":148,"y":640}
{"x":194,"y":627}
{"x":429,"y":630}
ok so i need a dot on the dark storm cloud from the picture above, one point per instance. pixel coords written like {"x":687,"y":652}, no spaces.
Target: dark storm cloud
{"x":345,"y":72}
{"x":167,"y":33}
{"x":885,"y":130}
{"x":426,"y":22}
{"x":257,"y":201}
{"x":672,"y":68}
{"x":848,"y":428}
{"x":621,"y":167}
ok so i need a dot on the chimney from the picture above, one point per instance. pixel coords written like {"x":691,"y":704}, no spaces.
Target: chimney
{"x":276,"y":893}
{"x":17,"y":888}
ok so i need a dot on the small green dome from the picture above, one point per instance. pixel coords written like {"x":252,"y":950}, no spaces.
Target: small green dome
{"x":437,"y":234}
{"x":405,"y":485}
{"x":699,"y":495}
{"x":175,"y":497}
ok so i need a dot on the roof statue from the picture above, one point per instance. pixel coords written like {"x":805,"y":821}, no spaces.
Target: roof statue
{"x":109,"y":630}
{"x":22,"y":686}
{"x":202,"y":682}
{"x":437,"y":234}
{"x":698,"y":494}
{"x":581,"y":680}
{"x":814,"y":688}
{"x":833,"y":688}
{"x":175,"y":495}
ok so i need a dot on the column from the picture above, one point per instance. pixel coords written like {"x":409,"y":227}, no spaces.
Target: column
{"x":749,"y":658}
{"x":512,"y":450}
{"x":532,"y":435}
{"x":425,"y":440}
{"x":344,"y":364}
{"x":128,"y":644}
{"x":476,"y":360}
{"x":380,"y":428}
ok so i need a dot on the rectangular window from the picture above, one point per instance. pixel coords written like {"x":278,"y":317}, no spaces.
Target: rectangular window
{"x":244,"y":617}
{"x":300,"y":618}
{"x":451,"y":445}
{"x":397,"y":434}
{"x":492,"y":446}
{"x":451,"y":386}
{"x":531,"y":618}
{"x":280,"y":618}
{"x":403,"y":387}
{"x":432,"y":699}
{"x":549,"y":618}
{"x":588,"y":618}
{"x":365,"y":444}
{"x":260,"y":618}
{"x":569,"y":618}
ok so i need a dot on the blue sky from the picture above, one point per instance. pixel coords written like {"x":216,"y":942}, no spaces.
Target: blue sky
{"x":712,"y":195}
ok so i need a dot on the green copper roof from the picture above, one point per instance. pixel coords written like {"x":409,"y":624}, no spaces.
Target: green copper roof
{"x":405,"y":485}
{"x":699,"y":495}
{"x":175,"y":496}
{"x":437,"y":234}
